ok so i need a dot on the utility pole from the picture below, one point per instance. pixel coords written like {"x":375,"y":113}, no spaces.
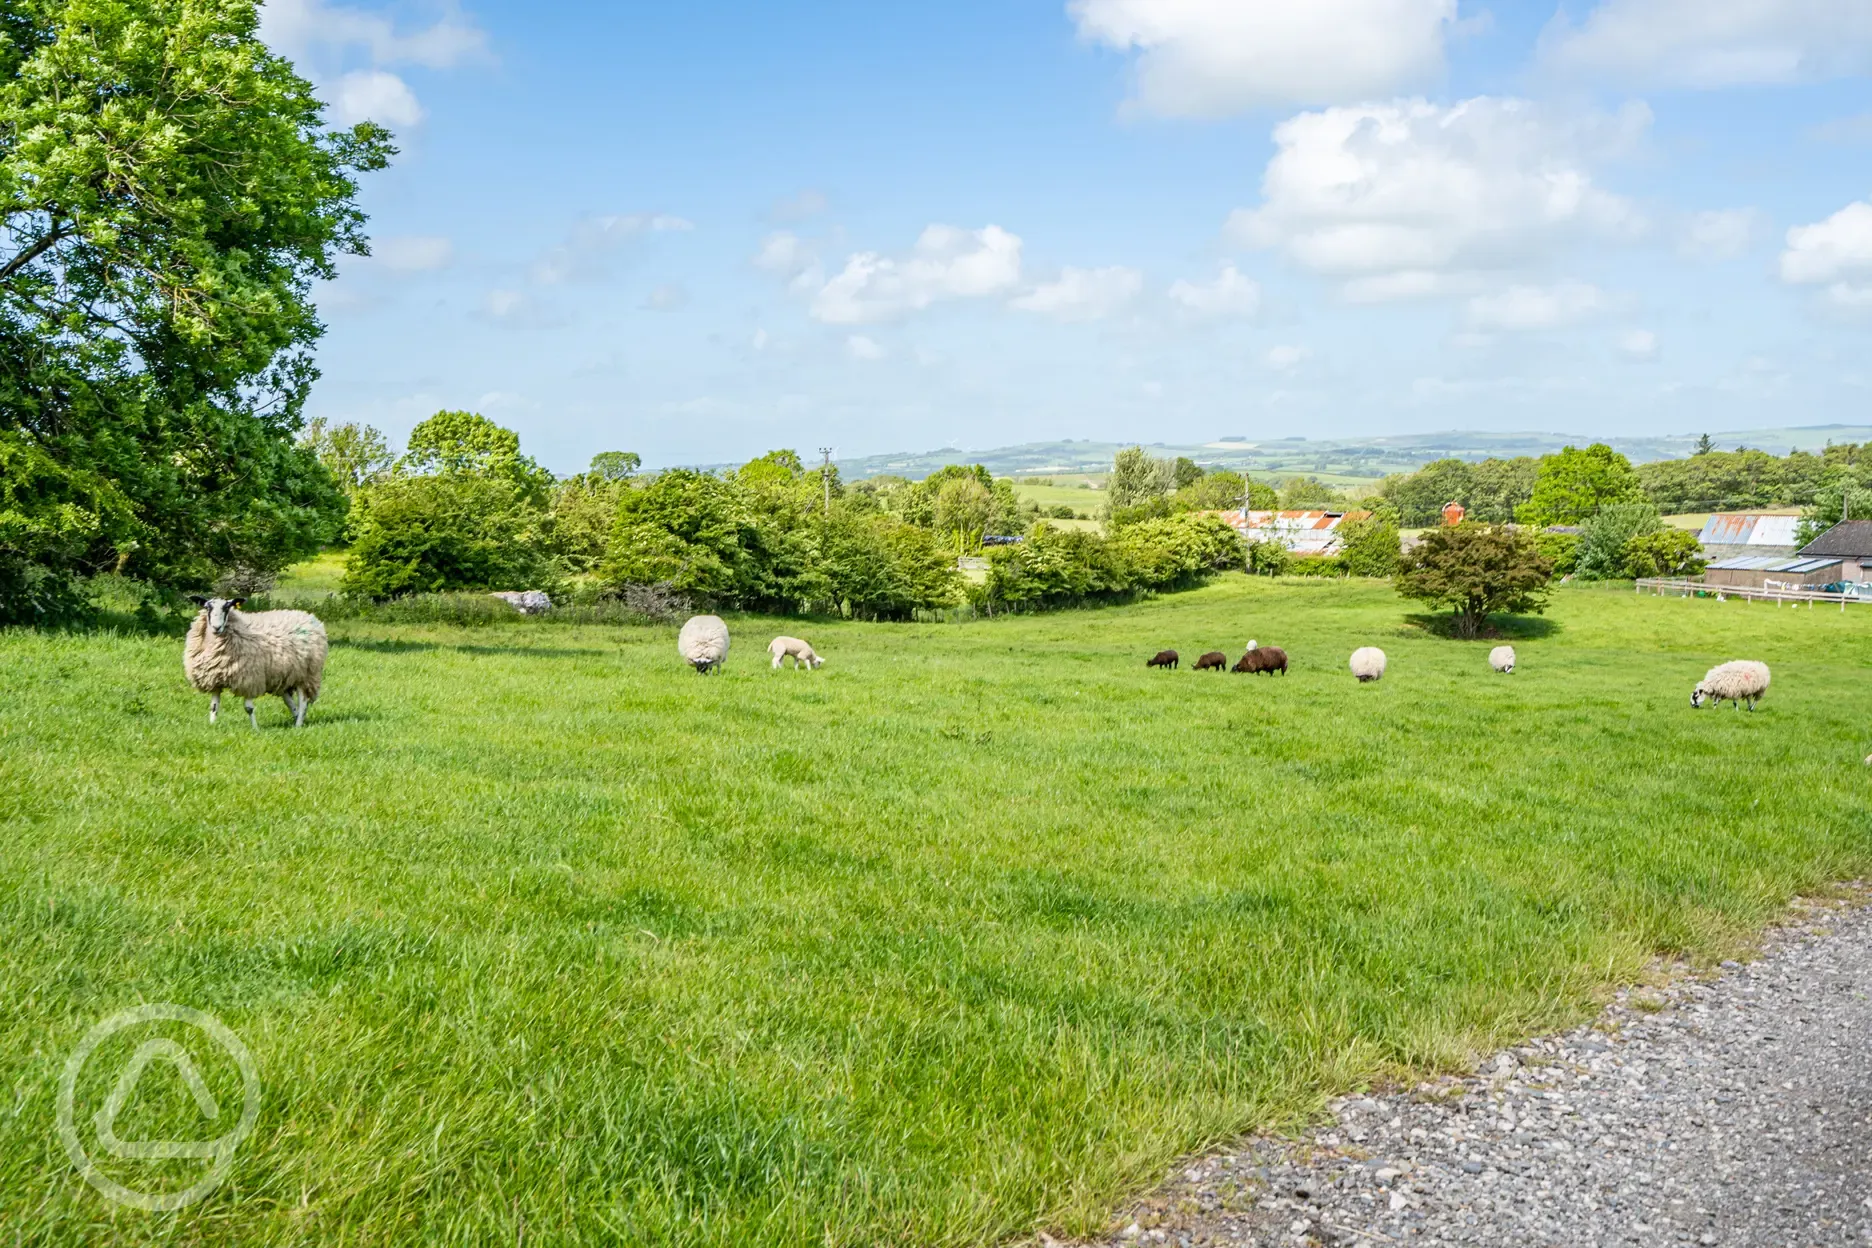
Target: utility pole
{"x":825,"y":476}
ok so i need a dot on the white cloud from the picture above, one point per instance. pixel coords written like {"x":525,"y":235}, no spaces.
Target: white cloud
{"x":1230,"y":294}
{"x":666,"y":298}
{"x":1209,"y":58}
{"x":1523,"y":308}
{"x":786,"y":253}
{"x":375,"y":95}
{"x":413,"y":253}
{"x":807,"y":203}
{"x":1285,"y":359}
{"x":1720,"y":235}
{"x":1836,"y":253}
{"x":299,"y":28}
{"x":1714,"y":43}
{"x":515,"y":309}
{"x":1083,"y":294}
{"x":946,"y":263}
{"x":860,"y":347}
{"x":323,"y":38}
{"x":1409,"y":198}
{"x":593,"y":237}
{"x":1638,"y":344}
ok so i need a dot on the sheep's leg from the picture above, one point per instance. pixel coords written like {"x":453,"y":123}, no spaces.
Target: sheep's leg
{"x":299,"y":711}
{"x":250,"y":716}
{"x":214,"y":707}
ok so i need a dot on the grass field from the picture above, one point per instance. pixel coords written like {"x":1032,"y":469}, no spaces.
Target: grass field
{"x":536,"y":937}
{"x":1052,"y":491}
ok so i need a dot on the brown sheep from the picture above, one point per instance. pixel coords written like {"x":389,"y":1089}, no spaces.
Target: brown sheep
{"x":1165,"y":658}
{"x":1215,"y":660}
{"x":1263,"y":659}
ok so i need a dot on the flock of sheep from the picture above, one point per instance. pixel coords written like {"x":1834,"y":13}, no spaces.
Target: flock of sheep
{"x":282,"y":654}
{"x":1367,"y":662}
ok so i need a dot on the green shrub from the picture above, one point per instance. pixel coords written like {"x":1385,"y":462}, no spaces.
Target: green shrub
{"x":1559,"y":549}
{"x":1316,"y":565}
{"x":1605,"y":536}
{"x":450,"y":531}
{"x":1667,"y":552}
{"x":1370,"y":547}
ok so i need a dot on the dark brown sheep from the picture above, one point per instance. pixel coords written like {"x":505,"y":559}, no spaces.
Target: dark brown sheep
{"x":1215,"y":660}
{"x":1263,"y":659}
{"x":1165,"y":658}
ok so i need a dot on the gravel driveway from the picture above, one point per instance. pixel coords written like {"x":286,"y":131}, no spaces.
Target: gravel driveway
{"x":1733,"y":1111}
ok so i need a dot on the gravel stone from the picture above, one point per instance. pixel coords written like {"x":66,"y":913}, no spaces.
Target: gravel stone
{"x":1732,"y":1110}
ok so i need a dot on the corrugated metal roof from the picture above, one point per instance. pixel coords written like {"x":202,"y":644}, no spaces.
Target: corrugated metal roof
{"x":1303,"y":532}
{"x":1749,"y":529}
{"x":1770,"y":563}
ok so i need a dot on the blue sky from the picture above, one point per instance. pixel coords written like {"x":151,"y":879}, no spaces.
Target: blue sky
{"x":700,"y":231}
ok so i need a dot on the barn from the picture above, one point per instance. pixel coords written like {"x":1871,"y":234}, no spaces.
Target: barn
{"x":1848,"y":543}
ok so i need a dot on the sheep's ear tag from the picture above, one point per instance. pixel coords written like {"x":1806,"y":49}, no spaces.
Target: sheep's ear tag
{"x":237,"y":602}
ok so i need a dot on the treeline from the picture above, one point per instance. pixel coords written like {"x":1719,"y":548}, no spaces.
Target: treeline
{"x":464,"y":509}
{"x":1824,"y":483}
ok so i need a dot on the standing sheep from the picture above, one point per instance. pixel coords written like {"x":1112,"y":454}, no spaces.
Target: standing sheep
{"x":268,"y":653}
{"x":703,"y":643}
{"x":1214,"y":661}
{"x":1744,"y":680}
{"x":1368,"y":664}
{"x":783,"y":648}
{"x":1164,"y":659}
{"x":1501,"y":658}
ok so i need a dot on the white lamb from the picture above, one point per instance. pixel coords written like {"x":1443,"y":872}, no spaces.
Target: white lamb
{"x":266,"y":654}
{"x":1368,"y":663}
{"x":784,"y":648}
{"x":703,"y":643}
{"x":1741,"y":681}
{"x":1501,"y":658}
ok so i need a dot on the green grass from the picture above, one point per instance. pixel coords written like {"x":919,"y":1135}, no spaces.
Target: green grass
{"x":320,"y":575}
{"x":535,"y":936}
{"x":1052,"y":491}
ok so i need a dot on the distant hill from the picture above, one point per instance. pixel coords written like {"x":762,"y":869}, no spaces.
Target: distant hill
{"x":1351,"y":458}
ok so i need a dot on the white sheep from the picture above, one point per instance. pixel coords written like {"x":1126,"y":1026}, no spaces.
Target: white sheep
{"x":268,"y":653}
{"x":1744,"y":680}
{"x":784,"y":648}
{"x":703,"y":643}
{"x":1368,"y":663}
{"x":1501,"y":658}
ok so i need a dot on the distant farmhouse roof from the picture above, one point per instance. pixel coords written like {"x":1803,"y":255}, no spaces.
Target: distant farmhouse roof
{"x":1850,"y":539}
{"x":1302,"y":532}
{"x":1750,"y":530}
{"x":1770,"y":563}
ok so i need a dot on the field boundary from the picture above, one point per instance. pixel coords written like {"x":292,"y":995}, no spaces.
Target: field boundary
{"x":1702,"y":589}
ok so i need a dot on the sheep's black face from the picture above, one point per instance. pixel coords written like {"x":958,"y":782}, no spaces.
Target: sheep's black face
{"x":1696,"y":699}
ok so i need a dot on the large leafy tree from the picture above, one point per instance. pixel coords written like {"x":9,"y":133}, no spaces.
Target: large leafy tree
{"x":169,"y":191}
{"x":1476,"y":570}
{"x":1573,"y":485}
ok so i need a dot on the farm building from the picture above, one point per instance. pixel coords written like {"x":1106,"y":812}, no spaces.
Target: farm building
{"x":1757,"y":571}
{"x":1747,"y":535}
{"x":1302,"y":532}
{"x":1850,"y":544}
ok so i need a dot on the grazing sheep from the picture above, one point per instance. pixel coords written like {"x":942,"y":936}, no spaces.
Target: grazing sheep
{"x":1501,"y":658}
{"x":703,"y":643}
{"x":526,"y":602}
{"x":268,"y":653}
{"x":1368,"y":664}
{"x":783,"y":648}
{"x":1215,"y":660}
{"x":1165,"y":658}
{"x":1260,"y":659}
{"x":1741,"y":681}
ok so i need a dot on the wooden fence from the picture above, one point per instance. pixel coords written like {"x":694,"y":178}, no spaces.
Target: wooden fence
{"x":1748,"y":593}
